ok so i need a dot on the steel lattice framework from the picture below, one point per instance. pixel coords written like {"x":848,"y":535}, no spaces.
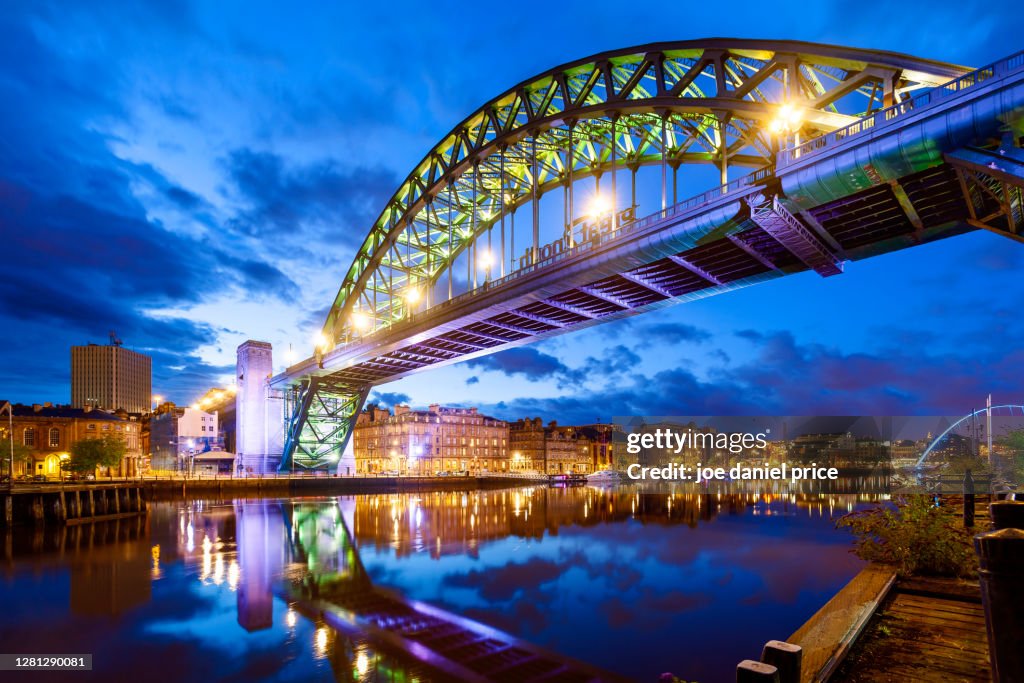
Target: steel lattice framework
{"x":690,"y":102}
{"x":708,"y":102}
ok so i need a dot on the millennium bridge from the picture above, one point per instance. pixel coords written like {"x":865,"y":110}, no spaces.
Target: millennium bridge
{"x":524,"y":222}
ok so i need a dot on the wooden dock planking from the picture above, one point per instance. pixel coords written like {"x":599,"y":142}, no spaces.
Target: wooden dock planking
{"x":926,"y":630}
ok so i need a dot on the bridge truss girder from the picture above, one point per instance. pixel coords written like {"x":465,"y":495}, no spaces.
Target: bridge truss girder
{"x":993,"y":187}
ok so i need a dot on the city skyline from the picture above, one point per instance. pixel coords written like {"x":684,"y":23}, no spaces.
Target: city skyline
{"x":190,"y":223}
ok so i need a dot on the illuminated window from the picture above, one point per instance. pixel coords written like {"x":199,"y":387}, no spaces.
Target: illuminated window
{"x":30,"y":437}
{"x":54,"y":437}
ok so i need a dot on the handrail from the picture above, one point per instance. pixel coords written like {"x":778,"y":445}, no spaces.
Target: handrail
{"x":749,"y":180}
{"x":883,"y":117}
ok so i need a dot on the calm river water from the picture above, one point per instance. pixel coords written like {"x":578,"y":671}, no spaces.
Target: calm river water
{"x":635,"y":583}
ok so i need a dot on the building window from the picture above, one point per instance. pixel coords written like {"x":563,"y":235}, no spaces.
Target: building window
{"x":92,"y":426}
{"x":54,"y":437}
{"x":30,"y":437}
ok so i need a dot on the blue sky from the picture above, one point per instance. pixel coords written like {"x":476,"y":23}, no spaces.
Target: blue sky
{"x":193,"y":175}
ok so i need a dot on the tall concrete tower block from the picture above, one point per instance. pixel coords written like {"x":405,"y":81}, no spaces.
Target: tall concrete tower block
{"x":258,"y":412}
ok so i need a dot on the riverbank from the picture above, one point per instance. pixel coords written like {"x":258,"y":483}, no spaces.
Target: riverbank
{"x":55,"y":502}
{"x":163,"y":489}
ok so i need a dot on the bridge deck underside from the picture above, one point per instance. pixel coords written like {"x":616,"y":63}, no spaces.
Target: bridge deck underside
{"x":863,"y":224}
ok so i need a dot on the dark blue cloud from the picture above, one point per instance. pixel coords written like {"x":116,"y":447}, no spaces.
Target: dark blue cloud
{"x":673,"y":333}
{"x":339,"y":203}
{"x":525,"y":361}
{"x":82,"y":255}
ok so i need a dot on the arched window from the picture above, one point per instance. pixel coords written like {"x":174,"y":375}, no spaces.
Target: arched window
{"x":30,"y":436}
{"x":54,"y":437}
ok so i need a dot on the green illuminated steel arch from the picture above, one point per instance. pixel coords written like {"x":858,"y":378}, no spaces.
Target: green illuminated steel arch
{"x":708,"y":101}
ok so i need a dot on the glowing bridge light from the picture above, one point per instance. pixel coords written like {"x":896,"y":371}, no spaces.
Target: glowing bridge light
{"x":599,"y":205}
{"x":320,"y":341}
{"x":361,"y":321}
{"x":413,"y":296}
{"x":787,"y":120}
{"x":485,"y":259}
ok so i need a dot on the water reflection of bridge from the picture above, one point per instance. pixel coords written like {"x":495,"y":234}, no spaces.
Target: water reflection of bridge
{"x":306,"y":553}
{"x":324,"y":578}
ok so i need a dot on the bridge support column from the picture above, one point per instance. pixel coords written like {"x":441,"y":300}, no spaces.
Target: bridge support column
{"x":323,"y":415}
{"x":258,"y":415}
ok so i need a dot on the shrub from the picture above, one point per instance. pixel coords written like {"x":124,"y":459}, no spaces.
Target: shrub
{"x":914,"y":536}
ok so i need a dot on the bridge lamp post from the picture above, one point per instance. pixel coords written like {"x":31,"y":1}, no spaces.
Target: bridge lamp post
{"x":599,"y":205}
{"x":412,"y":297}
{"x":787,"y":122}
{"x":485,"y":261}
{"x":361,"y":322}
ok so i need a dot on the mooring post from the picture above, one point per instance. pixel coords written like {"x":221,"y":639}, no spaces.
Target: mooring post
{"x":38,"y":509}
{"x":750,"y":671}
{"x":1001,"y":565}
{"x":785,"y":657}
{"x":8,"y":510}
{"x":968,"y":499}
{"x":1007,"y":514}
{"x":60,"y":510}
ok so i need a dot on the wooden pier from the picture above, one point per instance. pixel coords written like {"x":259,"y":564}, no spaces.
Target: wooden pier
{"x":71,"y":504}
{"x":926,"y":630}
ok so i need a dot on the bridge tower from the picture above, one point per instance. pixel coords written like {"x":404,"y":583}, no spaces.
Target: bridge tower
{"x":258,"y":413}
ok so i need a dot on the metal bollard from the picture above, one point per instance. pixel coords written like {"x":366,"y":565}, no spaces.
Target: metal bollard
{"x":1001,"y":561}
{"x":968,"y":499}
{"x":750,"y":671}
{"x":785,"y":657}
{"x":1007,"y":514}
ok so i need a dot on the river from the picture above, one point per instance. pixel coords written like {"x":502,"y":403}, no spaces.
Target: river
{"x":634,"y":582}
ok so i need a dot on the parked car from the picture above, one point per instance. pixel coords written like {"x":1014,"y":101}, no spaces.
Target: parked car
{"x":390,"y":473}
{"x":40,"y":477}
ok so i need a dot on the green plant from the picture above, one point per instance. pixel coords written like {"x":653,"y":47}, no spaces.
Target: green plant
{"x":914,"y":536}
{"x":1012,"y":443}
{"x":88,"y":454}
{"x":22,"y":453}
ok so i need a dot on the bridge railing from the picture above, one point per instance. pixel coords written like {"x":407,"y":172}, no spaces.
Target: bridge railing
{"x":885,"y":116}
{"x":755,"y":178}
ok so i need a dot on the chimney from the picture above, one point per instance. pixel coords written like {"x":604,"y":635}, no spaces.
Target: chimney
{"x":87,"y":409}
{"x":36,"y":407}
{"x":47,"y":405}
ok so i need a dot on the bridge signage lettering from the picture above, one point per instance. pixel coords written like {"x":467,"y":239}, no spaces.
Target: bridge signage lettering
{"x":582,"y":230}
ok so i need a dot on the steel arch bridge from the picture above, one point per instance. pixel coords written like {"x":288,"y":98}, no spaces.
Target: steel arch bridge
{"x":1010,"y":408}
{"x":855,"y":153}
